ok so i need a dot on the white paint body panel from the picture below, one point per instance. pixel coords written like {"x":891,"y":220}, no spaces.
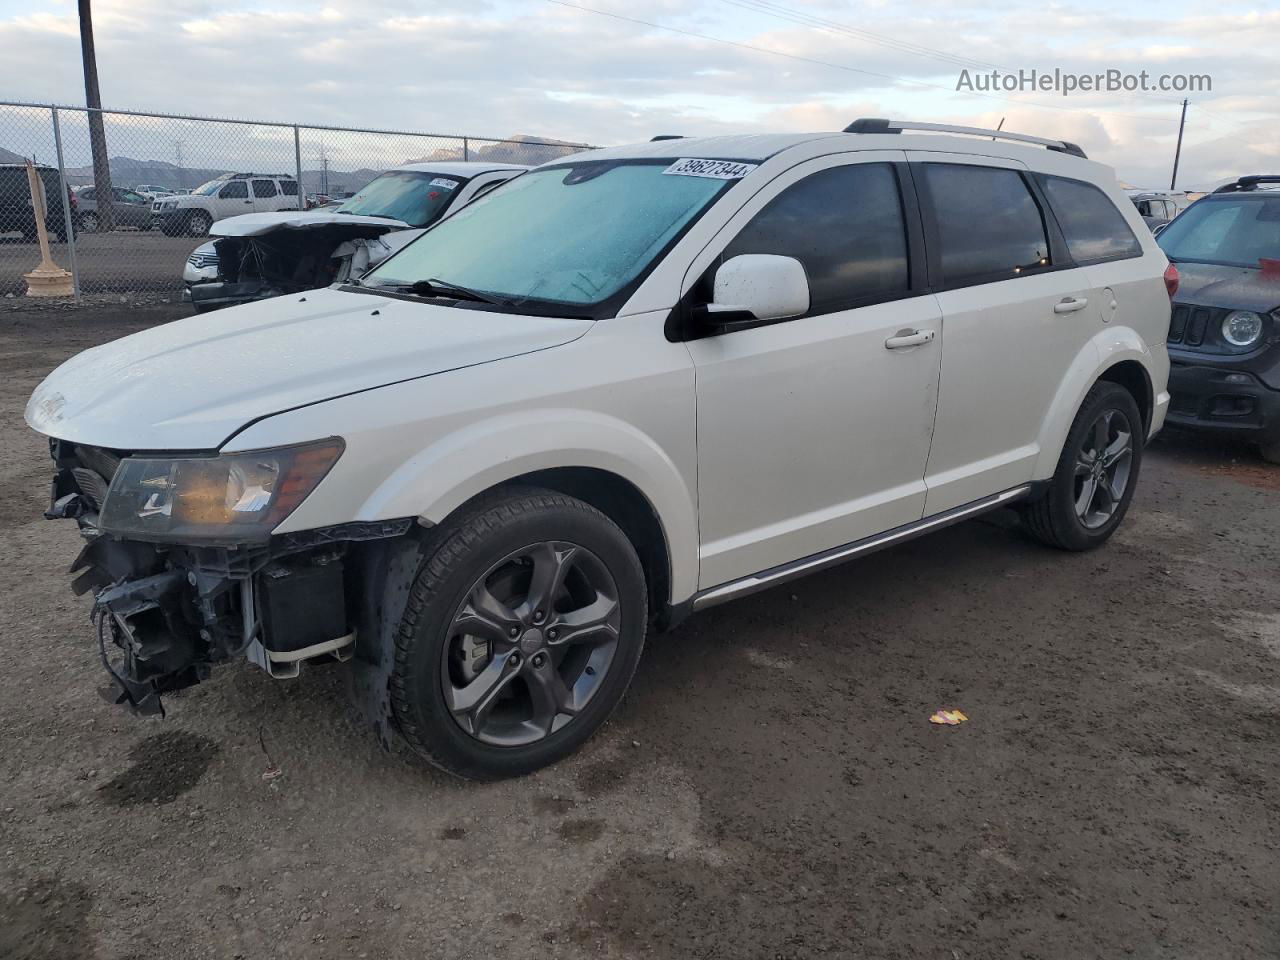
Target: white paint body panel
{"x":754,"y":448}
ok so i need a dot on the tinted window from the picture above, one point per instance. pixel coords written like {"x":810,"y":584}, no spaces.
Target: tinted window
{"x":1094,"y":228}
{"x":289,"y":188}
{"x":264,"y":188}
{"x":1234,"y":230}
{"x":989,"y":226}
{"x":89,"y":193}
{"x":234,"y":190}
{"x":845,"y":225}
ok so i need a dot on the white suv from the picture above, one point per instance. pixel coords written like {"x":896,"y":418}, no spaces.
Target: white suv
{"x":229,"y":195}
{"x":628,"y":385}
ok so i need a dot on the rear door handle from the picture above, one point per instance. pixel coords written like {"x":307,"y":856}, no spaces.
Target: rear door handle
{"x":1070,"y":304}
{"x":909,"y":338}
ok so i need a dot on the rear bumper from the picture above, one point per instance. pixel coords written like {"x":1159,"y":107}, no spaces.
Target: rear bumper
{"x":1232,"y":401}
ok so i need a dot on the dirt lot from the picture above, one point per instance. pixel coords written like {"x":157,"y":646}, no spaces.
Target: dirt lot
{"x":770,"y":789}
{"x":126,"y":261}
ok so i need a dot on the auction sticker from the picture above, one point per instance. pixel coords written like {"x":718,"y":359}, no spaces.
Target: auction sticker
{"x":443,"y":183}
{"x":714,"y":169}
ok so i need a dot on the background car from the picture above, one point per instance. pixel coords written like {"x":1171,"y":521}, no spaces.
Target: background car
{"x":226,"y":196}
{"x":1224,"y":333}
{"x":129,"y":208}
{"x":263,"y":255}
{"x":16,"y":214}
{"x":1158,"y":207}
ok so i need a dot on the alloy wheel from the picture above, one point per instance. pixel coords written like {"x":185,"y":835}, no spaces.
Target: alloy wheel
{"x":531,"y":643}
{"x":1104,"y":463}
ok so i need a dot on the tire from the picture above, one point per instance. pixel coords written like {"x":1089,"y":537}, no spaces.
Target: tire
{"x":505,"y":542}
{"x":88,"y":222}
{"x":198,"y":223}
{"x":1056,"y":518}
{"x":1270,"y":450}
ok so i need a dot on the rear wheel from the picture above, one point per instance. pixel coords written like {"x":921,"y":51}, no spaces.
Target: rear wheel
{"x":1096,"y":475}
{"x":521,"y":634}
{"x":89,"y":222}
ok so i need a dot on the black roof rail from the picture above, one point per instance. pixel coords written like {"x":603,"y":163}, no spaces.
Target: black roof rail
{"x":666,"y":136}
{"x":881,"y":125}
{"x":1248,"y":183}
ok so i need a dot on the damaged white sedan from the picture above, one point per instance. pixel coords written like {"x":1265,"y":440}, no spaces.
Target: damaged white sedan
{"x":259,"y":255}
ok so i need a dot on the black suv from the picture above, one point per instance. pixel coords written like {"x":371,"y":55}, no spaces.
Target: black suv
{"x":16,"y":215}
{"x":1224,"y":334}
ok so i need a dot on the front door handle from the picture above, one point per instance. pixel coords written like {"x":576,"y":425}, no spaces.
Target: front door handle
{"x":909,"y":338}
{"x":1070,"y":304}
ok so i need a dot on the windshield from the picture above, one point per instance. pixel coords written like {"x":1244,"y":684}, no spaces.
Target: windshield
{"x":414,"y":197}
{"x":208,"y":189}
{"x":568,"y":234}
{"x":1236,"y":232}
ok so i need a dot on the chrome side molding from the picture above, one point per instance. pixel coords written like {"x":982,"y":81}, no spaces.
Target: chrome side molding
{"x":830,"y":558}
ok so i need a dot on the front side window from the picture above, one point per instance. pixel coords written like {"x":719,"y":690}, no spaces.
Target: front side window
{"x":989,"y":225}
{"x":235,"y":190}
{"x":1235,"y":232}
{"x":845,"y":224}
{"x":411,"y":196}
{"x":1094,"y":229}
{"x":569,"y":234}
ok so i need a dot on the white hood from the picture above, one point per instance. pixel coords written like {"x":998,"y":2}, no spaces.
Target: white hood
{"x":192,"y":383}
{"x":256,"y":224}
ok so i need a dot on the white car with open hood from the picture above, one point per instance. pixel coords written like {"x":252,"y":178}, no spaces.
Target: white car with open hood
{"x":628,"y":385}
{"x":266,"y":254}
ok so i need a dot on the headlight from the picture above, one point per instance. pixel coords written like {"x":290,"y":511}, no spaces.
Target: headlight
{"x":1242,"y":328}
{"x":231,"y":498}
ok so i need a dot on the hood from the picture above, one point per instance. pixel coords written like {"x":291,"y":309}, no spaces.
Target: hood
{"x":1231,"y":288}
{"x":256,"y":224}
{"x":193,"y":383}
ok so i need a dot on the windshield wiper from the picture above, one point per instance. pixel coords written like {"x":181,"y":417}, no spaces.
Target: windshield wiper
{"x":440,"y":288}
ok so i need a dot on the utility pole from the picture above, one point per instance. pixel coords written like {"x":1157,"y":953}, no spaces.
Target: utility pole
{"x":1177,"y":153}
{"x":97,"y":134}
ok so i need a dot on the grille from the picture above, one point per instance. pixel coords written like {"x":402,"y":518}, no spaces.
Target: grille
{"x":1188,"y":324}
{"x":202,"y":260}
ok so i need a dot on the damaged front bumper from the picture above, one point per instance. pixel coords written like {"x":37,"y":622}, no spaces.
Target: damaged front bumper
{"x":166,"y":614}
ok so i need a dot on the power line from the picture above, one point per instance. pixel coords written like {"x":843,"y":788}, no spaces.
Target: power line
{"x":840,"y":66}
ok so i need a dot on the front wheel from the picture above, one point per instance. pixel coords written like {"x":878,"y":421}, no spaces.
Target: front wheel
{"x":198,"y":224}
{"x":520,"y":636}
{"x":1096,"y":475}
{"x":89,"y":223}
{"x":1270,"y":450}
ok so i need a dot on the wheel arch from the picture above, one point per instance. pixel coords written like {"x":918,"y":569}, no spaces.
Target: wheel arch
{"x":1116,"y":355}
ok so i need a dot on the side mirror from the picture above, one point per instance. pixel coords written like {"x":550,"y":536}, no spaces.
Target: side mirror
{"x":758,"y":286}
{"x":1155,"y":231}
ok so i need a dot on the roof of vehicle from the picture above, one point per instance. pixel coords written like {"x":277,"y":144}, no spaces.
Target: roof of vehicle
{"x":1138,"y":194}
{"x":23,"y":166}
{"x":460,"y":168}
{"x":1257,"y":181}
{"x":867,"y":134}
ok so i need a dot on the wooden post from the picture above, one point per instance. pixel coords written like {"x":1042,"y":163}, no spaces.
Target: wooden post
{"x":48,"y":279}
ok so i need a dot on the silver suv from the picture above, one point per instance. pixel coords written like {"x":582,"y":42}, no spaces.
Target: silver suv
{"x":226,"y":196}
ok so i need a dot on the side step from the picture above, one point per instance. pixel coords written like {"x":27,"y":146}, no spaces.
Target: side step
{"x":830,"y":558}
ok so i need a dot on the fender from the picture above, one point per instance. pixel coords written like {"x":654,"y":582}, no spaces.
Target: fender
{"x":1102,"y":352}
{"x":458,"y":466}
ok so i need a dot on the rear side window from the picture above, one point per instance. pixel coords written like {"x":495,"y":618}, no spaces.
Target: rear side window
{"x":846,"y":226}
{"x":289,"y":188}
{"x":236,"y":189}
{"x":264,"y":188}
{"x":989,"y":225}
{"x":1095,"y":230}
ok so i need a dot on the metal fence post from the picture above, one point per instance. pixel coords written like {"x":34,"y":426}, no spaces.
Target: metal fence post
{"x":466,"y":149}
{"x":68,"y":224}
{"x":297,"y":163}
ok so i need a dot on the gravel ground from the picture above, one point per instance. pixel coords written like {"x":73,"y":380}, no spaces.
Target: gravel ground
{"x":125,"y":261}
{"x":771,"y":788}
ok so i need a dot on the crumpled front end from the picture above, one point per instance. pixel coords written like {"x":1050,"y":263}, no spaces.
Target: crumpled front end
{"x":165,"y":614}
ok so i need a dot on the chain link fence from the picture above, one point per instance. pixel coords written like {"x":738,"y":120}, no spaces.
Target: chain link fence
{"x":123,"y":247}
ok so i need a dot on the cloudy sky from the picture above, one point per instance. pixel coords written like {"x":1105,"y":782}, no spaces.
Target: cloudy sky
{"x":612,"y":71}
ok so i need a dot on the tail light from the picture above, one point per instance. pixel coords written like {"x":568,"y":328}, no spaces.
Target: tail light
{"x":1171,"y":280}
{"x":71,"y":196}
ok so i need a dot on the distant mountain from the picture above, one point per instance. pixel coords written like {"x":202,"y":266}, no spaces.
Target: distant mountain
{"x":519,"y":148}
